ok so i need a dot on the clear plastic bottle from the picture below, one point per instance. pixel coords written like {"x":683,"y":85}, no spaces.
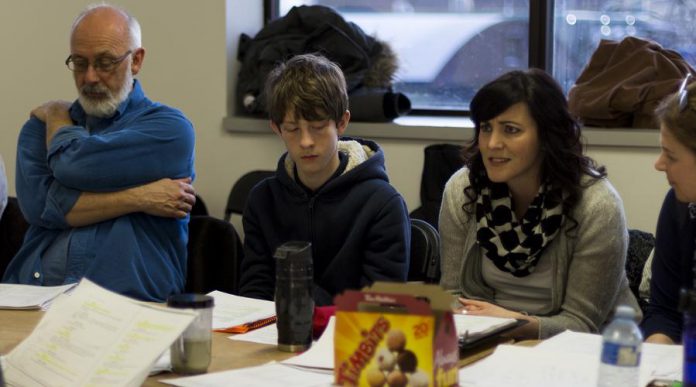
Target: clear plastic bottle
{"x":621,"y":347}
{"x":191,"y":352}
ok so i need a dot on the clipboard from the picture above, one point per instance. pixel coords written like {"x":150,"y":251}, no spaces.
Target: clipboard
{"x":471,"y":341}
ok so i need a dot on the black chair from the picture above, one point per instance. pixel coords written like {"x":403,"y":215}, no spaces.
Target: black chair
{"x":425,"y":252}
{"x":640,"y":244}
{"x":199,"y":207}
{"x":215,"y":255}
{"x":13,"y":226}
{"x":240,"y":191}
{"x":439,"y":163}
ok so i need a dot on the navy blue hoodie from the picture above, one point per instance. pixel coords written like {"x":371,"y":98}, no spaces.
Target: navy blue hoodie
{"x":357,"y":223}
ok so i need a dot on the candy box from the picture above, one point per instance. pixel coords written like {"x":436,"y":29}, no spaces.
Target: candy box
{"x":395,"y":334}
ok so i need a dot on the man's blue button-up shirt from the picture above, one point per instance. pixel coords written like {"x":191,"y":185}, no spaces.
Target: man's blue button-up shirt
{"x":138,"y":255}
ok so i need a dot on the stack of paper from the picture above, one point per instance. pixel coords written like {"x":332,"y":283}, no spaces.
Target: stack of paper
{"x":569,"y":359}
{"x":14,"y":296}
{"x":236,"y":314}
{"x":95,"y":337}
{"x":312,"y":368}
{"x":320,"y":356}
{"x":265,"y":335}
{"x":272,"y":374}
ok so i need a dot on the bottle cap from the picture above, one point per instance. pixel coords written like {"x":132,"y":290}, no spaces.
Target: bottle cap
{"x":294,"y":250}
{"x":190,"y":301}
{"x":625,"y":311}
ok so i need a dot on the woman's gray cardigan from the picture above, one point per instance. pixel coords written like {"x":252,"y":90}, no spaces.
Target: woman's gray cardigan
{"x":589,"y":278}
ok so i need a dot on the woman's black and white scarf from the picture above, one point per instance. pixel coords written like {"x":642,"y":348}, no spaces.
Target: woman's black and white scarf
{"x":514,"y":246}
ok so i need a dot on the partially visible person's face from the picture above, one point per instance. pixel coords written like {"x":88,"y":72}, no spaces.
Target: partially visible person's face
{"x":313,"y":146}
{"x":509,"y":145}
{"x":104,"y":35}
{"x":678,"y":162}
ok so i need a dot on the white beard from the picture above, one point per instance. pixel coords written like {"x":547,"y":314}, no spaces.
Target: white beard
{"x":105,"y":108}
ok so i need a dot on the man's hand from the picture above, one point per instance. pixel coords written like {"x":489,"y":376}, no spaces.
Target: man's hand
{"x":166,"y":197}
{"x":55,"y":114}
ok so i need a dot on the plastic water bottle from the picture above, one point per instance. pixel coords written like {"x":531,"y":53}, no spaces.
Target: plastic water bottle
{"x":621,"y":347}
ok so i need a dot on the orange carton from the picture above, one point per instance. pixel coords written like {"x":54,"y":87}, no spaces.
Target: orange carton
{"x":395,"y":334}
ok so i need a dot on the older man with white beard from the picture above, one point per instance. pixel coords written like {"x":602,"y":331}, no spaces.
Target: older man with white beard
{"x":105,"y":181}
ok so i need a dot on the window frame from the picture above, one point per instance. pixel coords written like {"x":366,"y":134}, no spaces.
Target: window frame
{"x":540,"y":54}
{"x":428,"y":127}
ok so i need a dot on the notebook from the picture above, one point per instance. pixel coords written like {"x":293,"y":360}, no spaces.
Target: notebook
{"x":472,"y":330}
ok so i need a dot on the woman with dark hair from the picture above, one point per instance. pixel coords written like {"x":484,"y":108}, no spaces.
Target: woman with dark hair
{"x":675,"y":255}
{"x":530,"y":227}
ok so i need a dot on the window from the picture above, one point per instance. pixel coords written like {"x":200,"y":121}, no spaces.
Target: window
{"x":434,"y":40}
{"x":449,"y":48}
{"x":580,"y":24}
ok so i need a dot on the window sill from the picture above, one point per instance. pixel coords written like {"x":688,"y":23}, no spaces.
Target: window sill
{"x":455,"y":129}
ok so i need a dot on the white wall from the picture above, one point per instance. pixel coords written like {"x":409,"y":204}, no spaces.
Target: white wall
{"x":186,"y":66}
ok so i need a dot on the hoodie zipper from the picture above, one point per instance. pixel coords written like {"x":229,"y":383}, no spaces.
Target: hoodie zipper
{"x":311,"y":225}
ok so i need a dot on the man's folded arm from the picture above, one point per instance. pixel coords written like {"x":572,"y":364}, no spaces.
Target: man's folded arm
{"x":158,"y":145}
{"x":165,"y":197}
{"x":48,"y":203}
{"x":42,"y":199}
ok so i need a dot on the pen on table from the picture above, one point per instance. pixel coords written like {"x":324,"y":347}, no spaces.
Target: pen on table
{"x":244,"y":328}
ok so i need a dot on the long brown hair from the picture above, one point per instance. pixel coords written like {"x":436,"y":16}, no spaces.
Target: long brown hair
{"x":563,"y":161}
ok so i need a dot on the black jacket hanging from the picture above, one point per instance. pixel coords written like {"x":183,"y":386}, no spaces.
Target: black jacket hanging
{"x":366,"y":62}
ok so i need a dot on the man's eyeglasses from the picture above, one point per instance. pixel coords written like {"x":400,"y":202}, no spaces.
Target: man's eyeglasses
{"x":683,"y":93}
{"x":102,"y":64}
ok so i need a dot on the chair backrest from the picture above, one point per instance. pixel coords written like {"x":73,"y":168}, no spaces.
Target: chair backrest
{"x":440,"y":162}
{"x":199,"y":207}
{"x":640,"y":244}
{"x":13,"y":226}
{"x":215,"y":255}
{"x":240,"y":191}
{"x":425,"y":252}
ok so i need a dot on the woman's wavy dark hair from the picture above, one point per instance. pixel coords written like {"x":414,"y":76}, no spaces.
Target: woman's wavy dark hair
{"x":563,"y":162}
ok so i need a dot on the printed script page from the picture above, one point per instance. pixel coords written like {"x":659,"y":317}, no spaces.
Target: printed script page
{"x":95,"y":337}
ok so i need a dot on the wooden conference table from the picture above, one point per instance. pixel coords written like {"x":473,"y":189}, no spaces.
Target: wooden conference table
{"x":227,"y":354}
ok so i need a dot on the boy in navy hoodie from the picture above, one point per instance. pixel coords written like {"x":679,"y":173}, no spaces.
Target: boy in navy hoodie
{"x":329,"y":190}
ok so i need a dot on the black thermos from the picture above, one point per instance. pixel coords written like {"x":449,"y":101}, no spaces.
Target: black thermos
{"x":293,"y":295}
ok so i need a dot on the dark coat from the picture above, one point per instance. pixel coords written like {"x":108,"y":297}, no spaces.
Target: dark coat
{"x":624,"y":82}
{"x":305,"y":29}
